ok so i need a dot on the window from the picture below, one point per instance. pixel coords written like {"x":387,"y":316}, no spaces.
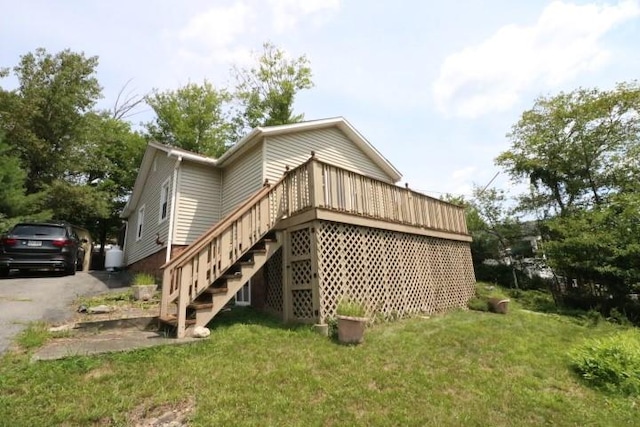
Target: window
{"x":243,"y":297}
{"x":140,"y":223}
{"x":164,"y":200}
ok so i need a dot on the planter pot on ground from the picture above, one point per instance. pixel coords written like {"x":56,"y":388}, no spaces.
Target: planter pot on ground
{"x":498,"y":305}
{"x":351,"y":329}
{"x":143,"y":292}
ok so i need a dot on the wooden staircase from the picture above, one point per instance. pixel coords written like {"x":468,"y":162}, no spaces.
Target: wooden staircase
{"x":203,"y":278}
{"x":213,"y":299}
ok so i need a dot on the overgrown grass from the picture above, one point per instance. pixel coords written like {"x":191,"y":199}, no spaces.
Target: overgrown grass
{"x":118,"y":299}
{"x":464,"y":368}
{"x":612,"y":363}
{"x":33,"y":336}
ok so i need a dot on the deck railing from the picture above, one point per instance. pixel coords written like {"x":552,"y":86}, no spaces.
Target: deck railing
{"x":341,"y":190}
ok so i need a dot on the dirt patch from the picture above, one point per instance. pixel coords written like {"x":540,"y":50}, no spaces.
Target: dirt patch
{"x":101,"y":372}
{"x":164,"y":415}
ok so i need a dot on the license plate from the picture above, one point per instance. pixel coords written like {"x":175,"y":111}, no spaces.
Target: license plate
{"x":34,"y":243}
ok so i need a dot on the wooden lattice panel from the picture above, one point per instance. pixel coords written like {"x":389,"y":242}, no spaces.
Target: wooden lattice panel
{"x":301,"y":273}
{"x":393,"y":273}
{"x":273,"y":276}
{"x":302,"y":302}
{"x":300,"y":241}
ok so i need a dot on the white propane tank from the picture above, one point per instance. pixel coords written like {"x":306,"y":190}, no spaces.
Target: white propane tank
{"x":113,"y":258}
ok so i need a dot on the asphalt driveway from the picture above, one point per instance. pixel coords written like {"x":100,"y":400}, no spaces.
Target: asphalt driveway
{"x":47,"y":297}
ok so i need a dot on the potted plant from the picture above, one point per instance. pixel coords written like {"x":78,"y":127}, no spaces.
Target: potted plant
{"x":352,"y":320}
{"x":144,"y":286}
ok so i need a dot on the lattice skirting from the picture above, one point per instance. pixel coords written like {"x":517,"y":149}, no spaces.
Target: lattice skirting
{"x":393,"y":273}
{"x":273,"y":283}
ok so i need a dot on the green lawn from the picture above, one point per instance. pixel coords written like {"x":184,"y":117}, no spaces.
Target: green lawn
{"x":464,"y":368}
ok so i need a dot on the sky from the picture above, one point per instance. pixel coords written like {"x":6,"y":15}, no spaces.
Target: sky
{"x":434,"y":86}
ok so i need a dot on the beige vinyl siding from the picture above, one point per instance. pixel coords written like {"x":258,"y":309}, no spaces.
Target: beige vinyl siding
{"x":241,"y":178}
{"x":199,"y":201}
{"x":330,"y":145}
{"x":137,"y":250}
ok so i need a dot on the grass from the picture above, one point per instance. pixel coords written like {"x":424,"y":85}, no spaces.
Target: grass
{"x":118,"y":299}
{"x":464,"y":368}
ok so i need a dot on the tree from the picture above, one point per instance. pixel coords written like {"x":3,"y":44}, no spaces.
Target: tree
{"x":192,"y":117}
{"x":580,"y":152}
{"x":571,"y":148}
{"x":111,"y":155}
{"x":14,"y":203}
{"x":267,"y":91}
{"x":42,"y":117}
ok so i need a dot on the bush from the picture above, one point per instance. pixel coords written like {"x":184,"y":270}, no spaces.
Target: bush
{"x":611,"y":364}
{"x":535,"y":300}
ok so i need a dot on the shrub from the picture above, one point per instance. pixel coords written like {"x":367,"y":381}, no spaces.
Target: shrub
{"x":611,"y":364}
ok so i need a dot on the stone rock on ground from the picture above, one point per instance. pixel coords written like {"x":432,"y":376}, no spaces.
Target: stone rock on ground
{"x":201,"y":332}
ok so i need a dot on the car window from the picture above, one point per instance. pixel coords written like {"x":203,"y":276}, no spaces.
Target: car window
{"x":38,"y":230}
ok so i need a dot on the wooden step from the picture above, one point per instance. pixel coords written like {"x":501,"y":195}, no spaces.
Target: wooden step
{"x":197,"y":305}
{"x":236,"y":275}
{"x":249,"y":263}
{"x":257,"y":251}
{"x":215,"y":291}
{"x":172,"y":320}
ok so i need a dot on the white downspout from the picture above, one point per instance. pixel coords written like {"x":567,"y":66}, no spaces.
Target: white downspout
{"x":172,"y":212}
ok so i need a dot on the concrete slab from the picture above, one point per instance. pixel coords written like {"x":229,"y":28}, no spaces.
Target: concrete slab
{"x":105,"y":342}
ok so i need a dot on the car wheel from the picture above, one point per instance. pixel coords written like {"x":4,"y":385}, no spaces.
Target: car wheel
{"x":70,"y":270}
{"x":4,"y":272}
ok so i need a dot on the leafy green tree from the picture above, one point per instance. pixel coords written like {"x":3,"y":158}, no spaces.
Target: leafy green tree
{"x":111,"y":154}
{"x":267,"y":90}
{"x":14,"y":203}
{"x":572,"y":147}
{"x":193,"y":117}
{"x":42,"y":117}
{"x":580,"y":152}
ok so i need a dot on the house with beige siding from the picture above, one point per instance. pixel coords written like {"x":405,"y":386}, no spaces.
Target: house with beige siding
{"x":291,"y":219}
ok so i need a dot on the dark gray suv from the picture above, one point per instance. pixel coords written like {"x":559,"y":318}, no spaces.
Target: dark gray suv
{"x":36,"y":246}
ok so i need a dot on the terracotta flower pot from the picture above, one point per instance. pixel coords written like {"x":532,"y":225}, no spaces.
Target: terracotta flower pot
{"x":498,"y":305}
{"x":143,"y":292}
{"x":351,"y":329}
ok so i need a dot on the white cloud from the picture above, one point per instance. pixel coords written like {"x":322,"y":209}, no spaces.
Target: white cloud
{"x":563,"y":43}
{"x":287,"y":13}
{"x":214,"y":31}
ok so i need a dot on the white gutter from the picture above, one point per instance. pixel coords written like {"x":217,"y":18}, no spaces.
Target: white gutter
{"x":172,"y":213}
{"x":124,"y":242}
{"x":191,"y":156}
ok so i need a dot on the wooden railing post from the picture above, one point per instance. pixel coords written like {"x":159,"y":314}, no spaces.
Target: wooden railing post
{"x":166,"y":290}
{"x":410,"y":208}
{"x":316,"y":191}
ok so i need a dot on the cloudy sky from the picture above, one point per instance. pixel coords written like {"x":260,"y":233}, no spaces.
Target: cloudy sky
{"x":435,"y":86}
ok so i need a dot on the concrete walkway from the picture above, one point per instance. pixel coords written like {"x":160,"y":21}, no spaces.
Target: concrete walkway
{"x":109,"y":341}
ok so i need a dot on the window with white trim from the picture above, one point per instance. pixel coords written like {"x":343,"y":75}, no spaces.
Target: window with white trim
{"x":243,"y":297}
{"x":140,"y":223}
{"x":164,"y":200}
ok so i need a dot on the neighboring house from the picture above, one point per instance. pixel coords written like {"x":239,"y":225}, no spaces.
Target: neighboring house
{"x":329,"y":222}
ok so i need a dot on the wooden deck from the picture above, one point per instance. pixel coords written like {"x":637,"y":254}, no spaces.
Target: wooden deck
{"x":312,"y":191}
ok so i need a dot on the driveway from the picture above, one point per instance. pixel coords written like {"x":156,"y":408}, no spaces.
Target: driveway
{"x":45,"y":297}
